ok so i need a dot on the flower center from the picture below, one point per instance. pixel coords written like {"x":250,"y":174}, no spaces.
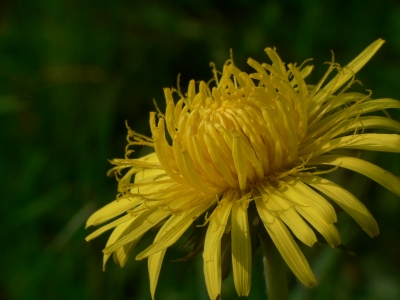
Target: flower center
{"x":244,"y":139}
{"x":234,"y":135}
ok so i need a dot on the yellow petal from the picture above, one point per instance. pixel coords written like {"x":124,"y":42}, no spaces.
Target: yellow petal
{"x":306,"y":71}
{"x":374,"y":142}
{"x":280,"y":206}
{"x":169,"y":113}
{"x":363,"y":108}
{"x":369,"y":122}
{"x":220,"y":164}
{"x":117,"y":232}
{"x":346,"y":201}
{"x":356,"y":64}
{"x":141,"y":224}
{"x":321,"y":222}
{"x":170,"y":230}
{"x":241,"y":248}
{"x":370,"y":141}
{"x":252,"y":146}
{"x":277,"y":62}
{"x":328,"y":231}
{"x":278,"y":144}
{"x":386,"y":179}
{"x":112,"y":210}
{"x":154,"y":265}
{"x":348,"y":71}
{"x":163,"y":149}
{"x":173,"y":229}
{"x":298,"y":192}
{"x":343,"y":99}
{"x":239,"y":161}
{"x":212,"y":245}
{"x":155,"y":261}
{"x":299,"y":227}
{"x":205,"y":164}
{"x":375,"y":105}
{"x":151,"y":157}
{"x":121,"y":255}
{"x":104,"y":228}
{"x":287,"y":123}
{"x":286,"y":245}
{"x":147,"y":217}
{"x":188,"y":171}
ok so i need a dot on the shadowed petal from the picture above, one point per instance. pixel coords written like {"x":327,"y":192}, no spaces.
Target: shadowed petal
{"x":346,"y":201}
{"x":212,"y":245}
{"x":154,"y":265}
{"x":173,"y":229}
{"x":385,"y":178}
{"x":241,"y":248}
{"x":286,"y":245}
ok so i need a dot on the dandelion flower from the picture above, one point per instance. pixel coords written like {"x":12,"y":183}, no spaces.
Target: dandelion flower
{"x":249,"y":147}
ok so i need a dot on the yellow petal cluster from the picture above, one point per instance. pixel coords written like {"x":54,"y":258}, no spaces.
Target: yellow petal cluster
{"x":258,"y":139}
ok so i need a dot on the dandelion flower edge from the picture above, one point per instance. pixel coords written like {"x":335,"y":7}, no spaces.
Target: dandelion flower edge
{"x":256,"y":140}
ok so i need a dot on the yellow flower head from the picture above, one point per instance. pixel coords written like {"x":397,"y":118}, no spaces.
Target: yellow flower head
{"x":250,"y":148}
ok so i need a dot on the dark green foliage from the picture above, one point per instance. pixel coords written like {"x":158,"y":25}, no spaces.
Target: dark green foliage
{"x":72,"y":72}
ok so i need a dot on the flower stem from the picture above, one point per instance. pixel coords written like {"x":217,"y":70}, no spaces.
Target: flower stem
{"x":274,"y":271}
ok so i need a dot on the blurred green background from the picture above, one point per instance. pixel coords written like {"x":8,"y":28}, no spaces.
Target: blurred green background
{"x":72,"y":72}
